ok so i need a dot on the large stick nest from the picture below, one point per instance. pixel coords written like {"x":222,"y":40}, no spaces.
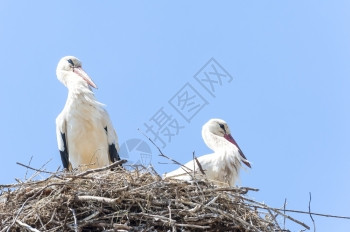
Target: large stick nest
{"x":136,"y":200}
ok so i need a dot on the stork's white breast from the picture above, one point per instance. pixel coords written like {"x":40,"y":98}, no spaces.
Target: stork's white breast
{"x":86,"y":136}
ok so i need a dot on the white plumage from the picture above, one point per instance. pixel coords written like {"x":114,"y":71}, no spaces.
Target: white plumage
{"x":85,"y":134}
{"x":223,"y":165}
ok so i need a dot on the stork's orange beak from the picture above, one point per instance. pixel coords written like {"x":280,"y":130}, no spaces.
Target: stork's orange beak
{"x":86,"y":77}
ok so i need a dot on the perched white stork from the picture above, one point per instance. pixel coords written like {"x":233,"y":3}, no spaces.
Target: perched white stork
{"x":85,"y":134}
{"x":223,"y":165}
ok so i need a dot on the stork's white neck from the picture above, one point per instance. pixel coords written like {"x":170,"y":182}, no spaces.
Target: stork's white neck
{"x":81,"y":94}
{"x":216,"y":142}
{"x":80,"y":89}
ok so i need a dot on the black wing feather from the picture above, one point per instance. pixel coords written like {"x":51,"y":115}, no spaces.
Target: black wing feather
{"x":113,"y":153}
{"x":64,"y":153}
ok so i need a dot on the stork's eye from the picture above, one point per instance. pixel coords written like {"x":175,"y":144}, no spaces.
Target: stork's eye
{"x":71,"y":62}
{"x":222,"y":127}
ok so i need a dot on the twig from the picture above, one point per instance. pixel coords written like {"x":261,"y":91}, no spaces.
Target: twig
{"x":199,"y":165}
{"x":263,"y":206}
{"x":19,"y":211}
{"x":40,"y":170}
{"x":119,"y":162}
{"x":284,"y":211}
{"x":313,"y":221}
{"x":195,"y":209}
{"x":27,"y":183}
{"x":249,"y":226}
{"x":35,"y":169}
{"x":224,"y":214}
{"x":317,"y":214}
{"x":156,"y":217}
{"x":241,"y":190}
{"x":170,"y":220}
{"x":193,"y":226}
{"x":25,"y":176}
{"x":4,"y":229}
{"x":295,"y":211}
{"x":29,"y":199}
{"x":41,"y":222}
{"x":194,"y":165}
{"x":98,"y":199}
{"x":75,"y":220}
{"x":290,"y":218}
{"x":155,"y":172}
{"x":121,"y":227}
{"x":144,"y":186}
{"x":26,"y":226}
{"x":212,"y":201}
{"x":274,"y":219}
{"x":162,"y":154}
{"x":51,"y":219}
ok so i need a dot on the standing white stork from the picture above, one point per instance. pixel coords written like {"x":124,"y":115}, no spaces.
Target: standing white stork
{"x":223,"y":165}
{"x":85,"y":134}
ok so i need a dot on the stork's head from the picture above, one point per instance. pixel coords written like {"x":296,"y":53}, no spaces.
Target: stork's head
{"x":217,"y":126}
{"x":70,"y":73}
{"x":220,"y":128}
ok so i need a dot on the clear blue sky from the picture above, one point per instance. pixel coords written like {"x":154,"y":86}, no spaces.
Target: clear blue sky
{"x":287,"y":104}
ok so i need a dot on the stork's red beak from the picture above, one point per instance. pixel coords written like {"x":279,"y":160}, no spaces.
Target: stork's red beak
{"x":229,"y":138}
{"x":86,"y":77}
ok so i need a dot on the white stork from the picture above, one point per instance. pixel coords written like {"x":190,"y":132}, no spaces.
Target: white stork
{"x":223,"y":165}
{"x":85,"y":134}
